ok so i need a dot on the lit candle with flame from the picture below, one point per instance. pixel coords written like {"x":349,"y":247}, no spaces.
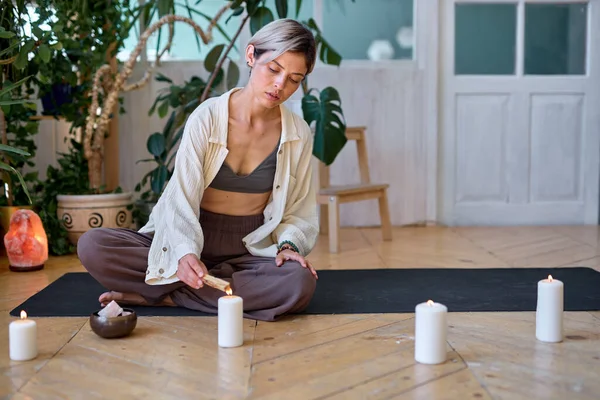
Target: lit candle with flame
{"x":430,"y":332}
{"x":22,"y":336}
{"x":549,"y":311}
{"x":230,"y":320}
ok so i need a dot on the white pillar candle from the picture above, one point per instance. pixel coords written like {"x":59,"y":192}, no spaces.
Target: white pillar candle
{"x":430,"y":333}
{"x":549,"y":311}
{"x":231,"y":321}
{"x":22,"y":336}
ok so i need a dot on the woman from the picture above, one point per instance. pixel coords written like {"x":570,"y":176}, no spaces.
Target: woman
{"x":240,"y":204}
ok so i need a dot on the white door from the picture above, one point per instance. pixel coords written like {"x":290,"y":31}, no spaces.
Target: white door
{"x":521,"y":112}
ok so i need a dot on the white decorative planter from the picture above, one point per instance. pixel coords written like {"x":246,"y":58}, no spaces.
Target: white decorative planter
{"x":81,"y":213}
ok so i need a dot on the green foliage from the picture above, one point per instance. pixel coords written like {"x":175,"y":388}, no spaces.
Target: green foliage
{"x":261,"y":17}
{"x":83,"y":35}
{"x":21,"y":54}
{"x":20,"y":131}
{"x":326,"y":112}
{"x":7,"y":95}
{"x":282,"y":8}
{"x":26,"y":52}
{"x":210,"y":62}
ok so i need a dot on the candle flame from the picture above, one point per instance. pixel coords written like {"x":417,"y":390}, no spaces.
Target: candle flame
{"x":23,"y":314}
{"x":550,"y":278}
{"x":229,"y":291}
{"x":430,"y":303}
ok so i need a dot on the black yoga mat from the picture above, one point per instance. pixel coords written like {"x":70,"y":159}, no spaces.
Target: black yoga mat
{"x":367,"y":291}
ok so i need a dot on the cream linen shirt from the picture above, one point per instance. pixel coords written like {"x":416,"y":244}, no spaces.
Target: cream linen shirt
{"x":291,"y":213}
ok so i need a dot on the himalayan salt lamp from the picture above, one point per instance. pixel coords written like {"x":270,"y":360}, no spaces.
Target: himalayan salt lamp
{"x":26,"y":242}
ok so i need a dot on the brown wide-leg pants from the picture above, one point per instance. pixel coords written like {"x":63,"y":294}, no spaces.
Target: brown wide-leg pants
{"x":118,"y":259}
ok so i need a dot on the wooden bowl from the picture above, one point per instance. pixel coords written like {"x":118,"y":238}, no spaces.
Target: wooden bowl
{"x":115,"y":327}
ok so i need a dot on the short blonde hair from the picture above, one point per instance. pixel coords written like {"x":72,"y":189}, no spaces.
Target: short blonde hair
{"x":283,"y":35}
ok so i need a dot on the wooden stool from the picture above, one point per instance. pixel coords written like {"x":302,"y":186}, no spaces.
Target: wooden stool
{"x":330,"y":197}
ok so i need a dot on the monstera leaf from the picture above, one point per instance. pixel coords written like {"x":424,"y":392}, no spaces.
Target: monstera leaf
{"x":330,"y":128}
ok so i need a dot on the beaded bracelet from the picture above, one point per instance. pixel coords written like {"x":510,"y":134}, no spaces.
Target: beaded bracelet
{"x":286,"y":244}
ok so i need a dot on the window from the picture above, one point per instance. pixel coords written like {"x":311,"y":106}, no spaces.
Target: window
{"x":485,"y":39}
{"x":555,"y":39}
{"x":384,"y":26}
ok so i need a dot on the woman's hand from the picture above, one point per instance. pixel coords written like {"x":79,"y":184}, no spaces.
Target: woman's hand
{"x":190,"y":270}
{"x":285,"y":255}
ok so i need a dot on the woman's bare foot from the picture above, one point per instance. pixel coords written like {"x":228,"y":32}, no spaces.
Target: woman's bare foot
{"x":130,"y":299}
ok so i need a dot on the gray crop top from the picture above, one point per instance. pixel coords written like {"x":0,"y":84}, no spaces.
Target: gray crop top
{"x":258,"y":181}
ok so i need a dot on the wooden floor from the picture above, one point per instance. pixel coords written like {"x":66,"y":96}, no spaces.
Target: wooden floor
{"x":491,"y":355}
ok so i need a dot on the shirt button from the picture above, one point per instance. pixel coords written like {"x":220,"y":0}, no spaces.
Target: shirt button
{"x":164,"y":249}
{"x":161,"y":271}
{"x":147,"y":272}
{"x":280,"y":152}
{"x":277,"y":187}
{"x":270,"y":218}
